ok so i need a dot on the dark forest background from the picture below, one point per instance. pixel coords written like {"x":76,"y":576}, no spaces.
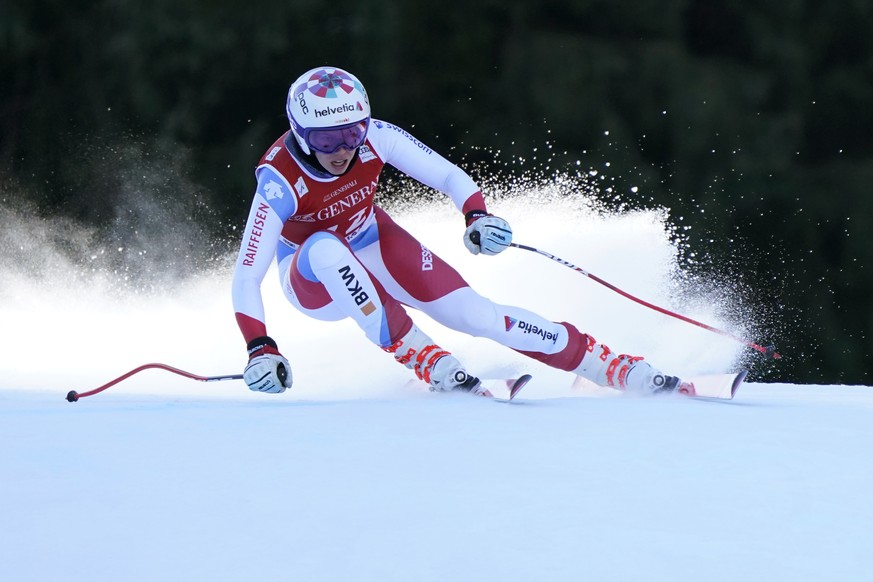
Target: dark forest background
{"x":752,"y":121}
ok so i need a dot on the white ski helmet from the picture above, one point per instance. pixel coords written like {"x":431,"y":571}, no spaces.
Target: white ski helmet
{"x":328,"y":109}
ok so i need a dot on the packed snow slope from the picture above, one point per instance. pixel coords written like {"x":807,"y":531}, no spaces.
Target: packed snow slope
{"x":356,"y":474}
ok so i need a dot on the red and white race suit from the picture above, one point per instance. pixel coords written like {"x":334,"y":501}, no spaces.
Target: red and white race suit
{"x":339,"y":255}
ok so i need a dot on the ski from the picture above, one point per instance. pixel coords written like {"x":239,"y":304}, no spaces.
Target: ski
{"x":514,"y":386}
{"x":705,"y":386}
{"x":497,"y":389}
{"x":716,"y":386}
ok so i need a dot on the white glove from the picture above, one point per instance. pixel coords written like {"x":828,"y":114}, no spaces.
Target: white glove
{"x":268,"y":373}
{"x":488,"y":235}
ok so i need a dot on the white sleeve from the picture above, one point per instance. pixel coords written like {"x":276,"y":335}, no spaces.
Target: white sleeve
{"x":267,"y":216}
{"x":399,"y":148}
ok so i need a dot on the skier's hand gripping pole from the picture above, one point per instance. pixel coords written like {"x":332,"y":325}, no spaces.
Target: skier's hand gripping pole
{"x":486,"y":234}
{"x":267,"y":370}
{"x":769,"y":351}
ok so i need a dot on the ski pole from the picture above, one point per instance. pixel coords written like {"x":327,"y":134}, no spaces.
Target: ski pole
{"x":769,"y":351}
{"x":73,"y":396}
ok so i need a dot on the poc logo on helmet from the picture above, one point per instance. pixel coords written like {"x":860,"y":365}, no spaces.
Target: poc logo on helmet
{"x":302,"y":102}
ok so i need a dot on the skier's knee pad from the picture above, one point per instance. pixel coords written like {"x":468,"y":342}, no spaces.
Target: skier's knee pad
{"x":322,"y":250}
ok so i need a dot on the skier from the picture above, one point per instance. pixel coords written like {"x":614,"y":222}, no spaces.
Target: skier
{"x":339,"y":255}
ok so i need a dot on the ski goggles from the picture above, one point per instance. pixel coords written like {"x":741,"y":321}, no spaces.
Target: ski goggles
{"x":328,"y":141}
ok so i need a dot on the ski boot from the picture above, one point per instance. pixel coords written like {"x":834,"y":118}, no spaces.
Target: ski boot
{"x":630,"y":373}
{"x":437,"y":367}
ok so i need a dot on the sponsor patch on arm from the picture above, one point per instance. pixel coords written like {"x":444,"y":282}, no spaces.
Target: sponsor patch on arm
{"x":278,"y":193}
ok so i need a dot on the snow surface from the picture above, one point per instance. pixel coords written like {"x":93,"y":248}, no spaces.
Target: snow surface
{"x":354,"y":474}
